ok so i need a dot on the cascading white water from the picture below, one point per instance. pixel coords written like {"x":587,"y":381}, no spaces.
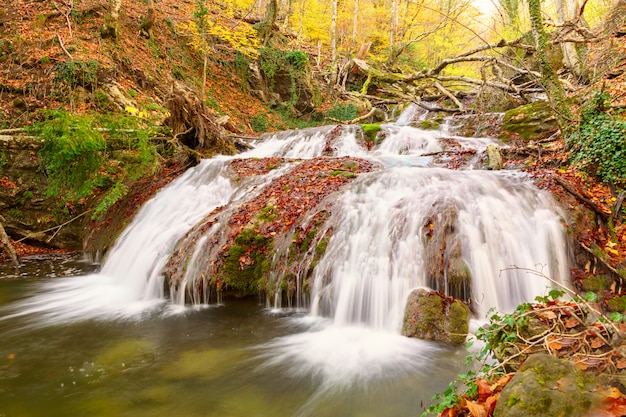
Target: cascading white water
{"x":376,"y":254}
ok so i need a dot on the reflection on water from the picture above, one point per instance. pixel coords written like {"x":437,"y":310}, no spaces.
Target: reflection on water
{"x":235,"y":360}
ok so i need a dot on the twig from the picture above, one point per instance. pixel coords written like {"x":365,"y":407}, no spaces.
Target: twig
{"x":57,"y":227}
{"x":63,"y":47}
{"x":11,"y":131}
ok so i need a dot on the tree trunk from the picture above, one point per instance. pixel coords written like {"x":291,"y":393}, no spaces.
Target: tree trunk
{"x":267,"y":25}
{"x":355,"y":22}
{"x":566,"y":11}
{"x":110,"y":29}
{"x":393,"y":30}
{"x":549,"y":79}
{"x":148,"y":21}
{"x":333,"y":46}
{"x":6,"y":242}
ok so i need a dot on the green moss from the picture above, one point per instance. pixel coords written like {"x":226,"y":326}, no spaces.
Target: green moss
{"x":370,"y":131}
{"x":345,"y":174}
{"x":529,"y":122}
{"x":459,"y":322}
{"x":617,"y":304}
{"x":597,"y":283}
{"x":246,"y":262}
{"x":429,"y":125}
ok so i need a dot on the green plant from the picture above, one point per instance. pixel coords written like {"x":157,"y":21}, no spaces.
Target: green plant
{"x":598,"y":145}
{"x":132,"y":93}
{"x":15,"y":212}
{"x":77,"y":73}
{"x":178,"y":73}
{"x":294,"y":63}
{"x":259,"y":123}
{"x":343,"y":112}
{"x":83,"y":155}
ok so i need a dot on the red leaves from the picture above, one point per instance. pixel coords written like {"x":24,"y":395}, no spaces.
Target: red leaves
{"x":289,"y":197}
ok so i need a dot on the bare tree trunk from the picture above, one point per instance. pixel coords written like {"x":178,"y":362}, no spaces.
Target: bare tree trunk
{"x":355,"y":22}
{"x":6,"y":242}
{"x":549,"y":79}
{"x":333,"y":46}
{"x":566,"y":11}
{"x":110,"y":29}
{"x":148,"y":21}
{"x":393,"y":30}
{"x":267,"y":26}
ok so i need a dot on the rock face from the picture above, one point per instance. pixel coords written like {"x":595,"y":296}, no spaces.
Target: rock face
{"x":446,"y":269}
{"x":433,"y":316}
{"x":23,"y":203}
{"x":547,"y":386}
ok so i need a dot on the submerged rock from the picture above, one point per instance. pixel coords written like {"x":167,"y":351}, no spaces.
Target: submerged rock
{"x":433,"y":316}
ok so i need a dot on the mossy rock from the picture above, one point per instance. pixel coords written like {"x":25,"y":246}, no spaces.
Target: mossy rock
{"x":546,"y":386}
{"x":530,"y":122}
{"x":370,"y":131}
{"x":433,"y":316}
{"x":246,"y":263}
{"x":617,"y":304}
{"x":597,"y":283}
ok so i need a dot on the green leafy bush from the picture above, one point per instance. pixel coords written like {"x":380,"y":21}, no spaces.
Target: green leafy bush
{"x":599,"y":146}
{"x":87,"y":155}
{"x":77,"y":73}
{"x":343,"y":112}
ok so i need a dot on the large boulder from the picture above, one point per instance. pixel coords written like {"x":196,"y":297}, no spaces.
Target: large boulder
{"x":546,"y":386}
{"x":433,"y":316}
{"x":530,"y":122}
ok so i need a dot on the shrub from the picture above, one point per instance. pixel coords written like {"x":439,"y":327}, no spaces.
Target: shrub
{"x":598,"y":145}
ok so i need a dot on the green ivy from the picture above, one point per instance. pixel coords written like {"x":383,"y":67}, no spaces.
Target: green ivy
{"x":77,"y":73}
{"x":599,"y":145}
{"x":294,"y":62}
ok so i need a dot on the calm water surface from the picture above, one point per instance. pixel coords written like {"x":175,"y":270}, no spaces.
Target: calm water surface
{"x":238,"y":359}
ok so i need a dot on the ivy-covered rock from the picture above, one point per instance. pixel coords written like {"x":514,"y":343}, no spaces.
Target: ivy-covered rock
{"x":433,"y":316}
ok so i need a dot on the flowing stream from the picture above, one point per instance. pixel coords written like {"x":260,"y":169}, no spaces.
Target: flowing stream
{"x":111,"y":343}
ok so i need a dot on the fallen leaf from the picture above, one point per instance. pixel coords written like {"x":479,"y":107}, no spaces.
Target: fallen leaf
{"x":476,"y":410}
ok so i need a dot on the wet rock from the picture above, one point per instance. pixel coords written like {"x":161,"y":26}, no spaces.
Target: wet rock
{"x":433,"y":316}
{"x":494,"y":157}
{"x":547,"y":386}
{"x":446,"y":269}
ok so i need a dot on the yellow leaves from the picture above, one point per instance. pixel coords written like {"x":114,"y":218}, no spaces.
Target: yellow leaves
{"x":205,"y":29}
{"x":610,"y":248}
{"x":136,"y":112}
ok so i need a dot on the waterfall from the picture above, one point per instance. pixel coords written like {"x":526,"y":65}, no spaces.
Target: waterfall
{"x":378,"y":250}
{"x":381,"y":228}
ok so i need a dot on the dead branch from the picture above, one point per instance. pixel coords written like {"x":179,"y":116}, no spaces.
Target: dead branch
{"x":604,"y":216}
{"x":63,"y":46}
{"x":450,"y":96}
{"x":619,"y":272}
